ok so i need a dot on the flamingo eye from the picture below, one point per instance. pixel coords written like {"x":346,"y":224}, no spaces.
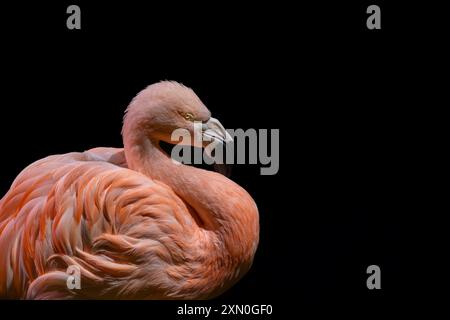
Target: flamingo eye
{"x":188,"y":116}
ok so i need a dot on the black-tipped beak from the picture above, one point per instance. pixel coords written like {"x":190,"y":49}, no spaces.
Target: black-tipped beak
{"x":213,"y":130}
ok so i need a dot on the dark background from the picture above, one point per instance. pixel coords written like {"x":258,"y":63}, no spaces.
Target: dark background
{"x":339,"y":93}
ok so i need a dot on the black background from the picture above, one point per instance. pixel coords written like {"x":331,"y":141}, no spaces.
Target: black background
{"x":339,"y":94}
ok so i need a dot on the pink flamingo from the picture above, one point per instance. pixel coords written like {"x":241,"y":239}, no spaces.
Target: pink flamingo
{"x":134,"y":223}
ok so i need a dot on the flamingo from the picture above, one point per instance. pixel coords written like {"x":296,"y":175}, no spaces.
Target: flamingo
{"x":134,"y":223}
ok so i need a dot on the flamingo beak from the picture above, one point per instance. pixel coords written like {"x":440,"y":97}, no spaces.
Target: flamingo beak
{"x":213,"y":130}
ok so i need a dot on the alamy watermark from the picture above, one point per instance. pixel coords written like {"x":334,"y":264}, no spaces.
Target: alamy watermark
{"x":227,"y":146}
{"x":374,"y":280}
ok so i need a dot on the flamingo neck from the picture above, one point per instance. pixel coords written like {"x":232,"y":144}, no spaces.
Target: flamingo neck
{"x":146,"y":156}
{"x":223,"y":206}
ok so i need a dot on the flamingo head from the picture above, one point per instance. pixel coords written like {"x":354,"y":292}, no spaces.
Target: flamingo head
{"x":166,"y":106}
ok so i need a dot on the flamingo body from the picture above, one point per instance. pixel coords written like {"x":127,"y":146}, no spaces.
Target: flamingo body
{"x":135,"y":224}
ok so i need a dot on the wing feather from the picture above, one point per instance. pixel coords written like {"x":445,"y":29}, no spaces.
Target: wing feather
{"x":89,"y":210}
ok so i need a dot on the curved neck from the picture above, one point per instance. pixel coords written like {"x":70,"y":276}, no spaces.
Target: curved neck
{"x":145,"y":156}
{"x":222,"y":205}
